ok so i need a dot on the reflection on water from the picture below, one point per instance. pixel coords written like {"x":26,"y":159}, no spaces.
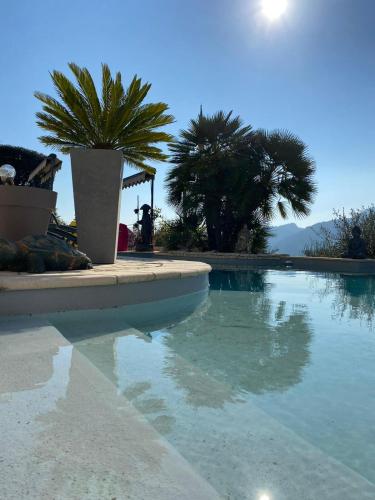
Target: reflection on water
{"x":352,"y":296}
{"x":244,"y":281}
{"x":244,"y":341}
{"x":262,"y":350}
{"x":78,"y":325}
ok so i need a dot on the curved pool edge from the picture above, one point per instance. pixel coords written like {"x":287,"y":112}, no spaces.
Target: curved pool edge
{"x":127,"y":282}
{"x":243,"y":261}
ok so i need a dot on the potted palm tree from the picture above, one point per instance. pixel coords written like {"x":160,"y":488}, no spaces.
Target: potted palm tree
{"x":101,"y":132}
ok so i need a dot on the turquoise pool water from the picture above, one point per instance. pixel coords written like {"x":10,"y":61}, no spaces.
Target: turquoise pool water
{"x":270,"y":367}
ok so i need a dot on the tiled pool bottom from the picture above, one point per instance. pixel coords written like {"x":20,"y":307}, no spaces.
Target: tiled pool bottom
{"x":266,"y":391}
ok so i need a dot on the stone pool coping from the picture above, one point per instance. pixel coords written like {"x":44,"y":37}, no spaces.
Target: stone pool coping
{"x":127,"y":282}
{"x":239,"y":260}
{"x":122,"y":272}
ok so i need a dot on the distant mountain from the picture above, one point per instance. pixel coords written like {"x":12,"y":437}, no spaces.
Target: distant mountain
{"x":291,"y":239}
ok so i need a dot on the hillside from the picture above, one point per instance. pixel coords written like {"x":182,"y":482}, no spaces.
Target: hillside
{"x":291,"y":239}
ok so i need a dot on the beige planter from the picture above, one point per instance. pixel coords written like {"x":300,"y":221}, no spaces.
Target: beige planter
{"x":25,"y":211}
{"x":97,"y":182}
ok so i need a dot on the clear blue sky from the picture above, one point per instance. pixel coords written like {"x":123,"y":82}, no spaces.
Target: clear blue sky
{"x":312,"y":72}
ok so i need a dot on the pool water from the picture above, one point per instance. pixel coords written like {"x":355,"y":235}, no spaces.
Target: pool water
{"x":271,"y":375}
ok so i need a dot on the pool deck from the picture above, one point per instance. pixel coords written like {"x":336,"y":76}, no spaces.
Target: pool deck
{"x":128,"y":281}
{"x":219,"y":260}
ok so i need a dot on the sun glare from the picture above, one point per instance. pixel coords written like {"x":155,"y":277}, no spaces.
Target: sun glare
{"x":273,"y":9}
{"x":264,"y":496}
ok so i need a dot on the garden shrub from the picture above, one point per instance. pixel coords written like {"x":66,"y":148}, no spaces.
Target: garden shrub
{"x":334,"y":243}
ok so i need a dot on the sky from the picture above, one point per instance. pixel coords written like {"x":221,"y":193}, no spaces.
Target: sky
{"x":312,"y":71}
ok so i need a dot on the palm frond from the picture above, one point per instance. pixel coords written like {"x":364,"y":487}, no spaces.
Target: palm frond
{"x":115,"y":118}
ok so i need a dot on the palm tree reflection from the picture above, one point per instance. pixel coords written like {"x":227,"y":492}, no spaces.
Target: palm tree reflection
{"x":241,"y":342}
{"x":246,"y":281}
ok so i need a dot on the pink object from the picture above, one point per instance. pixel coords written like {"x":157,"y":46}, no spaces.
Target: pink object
{"x":123,"y":238}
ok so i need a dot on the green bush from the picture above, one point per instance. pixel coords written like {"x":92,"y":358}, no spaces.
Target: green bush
{"x":177,"y":234}
{"x":335,"y":243}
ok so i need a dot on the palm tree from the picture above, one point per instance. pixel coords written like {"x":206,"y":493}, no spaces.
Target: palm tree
{"x":285,"y":177}
{"x":277,"y":177}
{"x":234,"y":176}
{"x":118,"y":119}
{"x":203,"y":158}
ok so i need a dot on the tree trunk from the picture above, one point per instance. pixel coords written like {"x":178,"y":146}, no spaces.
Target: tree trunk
{"x":211,"y":210}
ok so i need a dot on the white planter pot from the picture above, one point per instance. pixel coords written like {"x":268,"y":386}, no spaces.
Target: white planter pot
{"x":25,"y":211}
{"x":97,"y":182}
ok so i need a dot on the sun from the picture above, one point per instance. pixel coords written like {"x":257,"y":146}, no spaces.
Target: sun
{"x":273,"y":9}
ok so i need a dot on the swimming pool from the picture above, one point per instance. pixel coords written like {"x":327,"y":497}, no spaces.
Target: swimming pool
{"x":265,"y":386}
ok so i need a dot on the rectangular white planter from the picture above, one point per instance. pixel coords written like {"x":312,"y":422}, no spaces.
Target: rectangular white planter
{"x":97,"y":182}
